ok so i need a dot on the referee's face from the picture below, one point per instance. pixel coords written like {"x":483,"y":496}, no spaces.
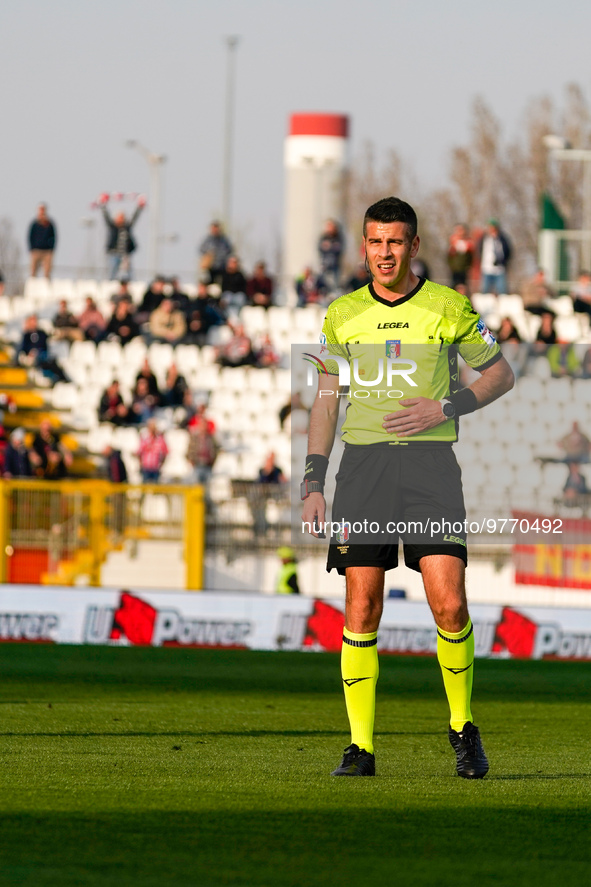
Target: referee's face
{"x":389,"y":251}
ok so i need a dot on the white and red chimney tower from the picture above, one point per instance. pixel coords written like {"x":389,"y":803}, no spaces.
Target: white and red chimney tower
{"x":315,"y":159}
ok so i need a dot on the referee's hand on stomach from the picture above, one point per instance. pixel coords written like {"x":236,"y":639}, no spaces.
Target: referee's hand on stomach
{"x":419,"y":414}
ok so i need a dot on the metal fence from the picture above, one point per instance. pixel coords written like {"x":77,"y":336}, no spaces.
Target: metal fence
{"x":62,"y":532}
{"x":253,"y":516}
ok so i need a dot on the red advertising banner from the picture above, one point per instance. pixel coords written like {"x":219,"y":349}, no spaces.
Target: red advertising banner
{"x":560,"y":560}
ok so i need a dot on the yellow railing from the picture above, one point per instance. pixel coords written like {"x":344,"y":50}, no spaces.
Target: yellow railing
{"x":61,"y":532}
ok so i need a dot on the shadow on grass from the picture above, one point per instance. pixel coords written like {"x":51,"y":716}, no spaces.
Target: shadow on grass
{"x":99,"y":672}
{"x":423,"y":845}
{"x":65,"y":734}
{"x":518,"y":776}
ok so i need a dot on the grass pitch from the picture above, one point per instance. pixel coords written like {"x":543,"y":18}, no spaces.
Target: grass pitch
{"x":131,"y":766}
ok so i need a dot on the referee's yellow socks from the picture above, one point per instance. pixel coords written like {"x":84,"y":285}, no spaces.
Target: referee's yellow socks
{"x":360,"y":669}
{"x":455,"y":652}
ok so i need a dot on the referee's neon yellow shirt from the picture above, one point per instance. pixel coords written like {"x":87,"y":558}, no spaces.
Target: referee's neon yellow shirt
{"x":402,"y":349}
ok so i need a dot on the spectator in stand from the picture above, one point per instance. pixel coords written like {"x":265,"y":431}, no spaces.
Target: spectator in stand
{"x":151,"y":300}
{"x":266,"y":354}
{"x":167,"y":323}
{"x":331,"y":246}
{"x":546,"y":334}
{"x":1,"y":283}
{"x":271,"y":473}
{"x":147,"y":374}
{"x":233,"y":286}
{"x":175,"y":388}
{"x":586,"y":365}
{"x":195,"y":414}
{"x":238,"y":351}
{"x":420,"y":268}
{"x":215,"y":251}
{"x":152,"y":453}
{"x":123,"y":294}
{"x":575,"y":490}
{"x":515,"y":352}
{"x":178,"y":296}
{"x":536,"y":293}
{"x":3,"y":439}
{"x":563,"y":360}
{"x":259,"y":289}
{"x":42,"y":242}
{"x":122,"y":326}
{"x":49,"y":457}
{"x":203,"y":314}
{"x":17,"y":462}
{"x":460,"y":253}
{"x":293,"y":417}
{"x":116,"y":473}
{"x":120,"y":241}
{"x":202,"y":452}
{"x":359,"y":278}
{"x":576,"y":445}
{"x":115,"y":469}
{"x":143,"y":404}
{"x":34,"y":352}
{"x":581,"y":293}
{"x":91,"y":322}
{"x":65,"y":324}
{"x":508,"y":332}
{"x":112,"y":407}
{"x":494,"y":251}
{"x":310,"y":288}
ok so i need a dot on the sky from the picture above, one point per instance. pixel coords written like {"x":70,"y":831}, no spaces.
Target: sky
{"x":78,"y":79}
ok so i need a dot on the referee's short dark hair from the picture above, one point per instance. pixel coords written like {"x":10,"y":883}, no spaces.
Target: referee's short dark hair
{"x":392,"y":209}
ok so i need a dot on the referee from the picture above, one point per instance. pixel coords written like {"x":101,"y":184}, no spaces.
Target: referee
{"x":398,"y":466}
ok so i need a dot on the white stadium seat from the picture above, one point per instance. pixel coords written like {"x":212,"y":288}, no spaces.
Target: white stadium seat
{"x":64,"y":396}
{"x":187,"y":357}
{"x":126,"y":439}
{"x":99,"y":438}
{"x":254,"y":318}
{"x":279,"y":318}
{"x":37,"y":289}
{"x":110,"y":353}
{"x":83,"y":353}
{"x":563,"y":306}
{"x":86,"y":288}
{"x":177,"y":440}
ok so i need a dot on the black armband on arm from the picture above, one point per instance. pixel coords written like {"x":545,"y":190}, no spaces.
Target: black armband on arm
{"x":316,"y":467}
{"x":464,"y":401}
{"x":314,"y":475}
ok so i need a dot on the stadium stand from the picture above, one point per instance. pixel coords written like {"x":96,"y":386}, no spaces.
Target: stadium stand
{"x":498,"y":447}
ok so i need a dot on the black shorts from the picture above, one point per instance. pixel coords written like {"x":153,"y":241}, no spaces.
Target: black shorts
{"x":390,"y":492}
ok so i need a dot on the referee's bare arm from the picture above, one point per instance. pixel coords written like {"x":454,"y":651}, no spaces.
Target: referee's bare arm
{"x":421,"y":413}
{"x":323,"y":425}
{"x":494,"y":381}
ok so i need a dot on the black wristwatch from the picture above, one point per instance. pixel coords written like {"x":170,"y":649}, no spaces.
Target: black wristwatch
{"x":448,"y":409}
{"x":310,"y":486}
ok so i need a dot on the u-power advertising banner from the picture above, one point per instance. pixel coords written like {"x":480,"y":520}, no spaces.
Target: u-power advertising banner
{"x":281,"y":622}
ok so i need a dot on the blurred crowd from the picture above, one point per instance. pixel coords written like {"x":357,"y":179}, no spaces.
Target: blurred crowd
{"x":478,"y":262}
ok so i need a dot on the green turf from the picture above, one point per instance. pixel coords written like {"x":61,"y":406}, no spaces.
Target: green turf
{"x":125,"y":766}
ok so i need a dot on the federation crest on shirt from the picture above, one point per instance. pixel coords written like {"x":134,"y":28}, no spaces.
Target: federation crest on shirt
{"x":485,"y":333}
{"x":393,"y":348}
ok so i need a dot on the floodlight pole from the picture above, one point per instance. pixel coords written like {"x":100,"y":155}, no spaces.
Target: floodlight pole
{"x":89,"y":225}
{"x":155,"y":163}
{"x":231,"y":44}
